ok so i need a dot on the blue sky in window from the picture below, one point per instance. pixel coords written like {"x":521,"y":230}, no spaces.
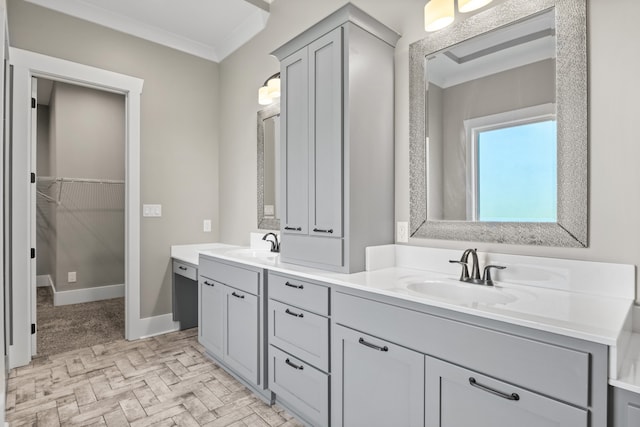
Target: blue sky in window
{"x":517,"y":173}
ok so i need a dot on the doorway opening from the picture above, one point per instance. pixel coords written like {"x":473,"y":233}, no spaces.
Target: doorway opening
{"x":80,"y":235}
{"x":27,"y":65}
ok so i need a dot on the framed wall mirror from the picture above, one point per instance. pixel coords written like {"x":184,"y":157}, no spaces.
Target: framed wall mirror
{"x":498,"y":110}
{"x":269,"y":167}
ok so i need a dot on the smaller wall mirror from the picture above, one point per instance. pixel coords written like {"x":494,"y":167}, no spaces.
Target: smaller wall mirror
{"x":269,"y":167}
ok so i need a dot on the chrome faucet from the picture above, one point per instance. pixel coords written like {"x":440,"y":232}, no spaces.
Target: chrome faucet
{"x":475,"y":269}
{"x":275,"y":245}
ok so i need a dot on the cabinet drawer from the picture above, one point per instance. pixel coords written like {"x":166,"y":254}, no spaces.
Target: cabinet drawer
{"x":550,"y":369}
{"x":302,"y":386}
{"x":237,"y":277}
{"x":300,"y":332}
{"x":460,"y":397}
{"x":185,"y":270}
{"x":291,"y":290}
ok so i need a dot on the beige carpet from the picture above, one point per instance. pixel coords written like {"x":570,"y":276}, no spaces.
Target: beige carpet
{"x":69,"y":327}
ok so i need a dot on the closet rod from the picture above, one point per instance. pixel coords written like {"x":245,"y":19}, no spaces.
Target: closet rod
{"x":79,"y":180}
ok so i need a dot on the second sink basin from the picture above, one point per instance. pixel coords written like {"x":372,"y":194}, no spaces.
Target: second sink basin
{"x":461,"y":293}
{"x":254,"y":254}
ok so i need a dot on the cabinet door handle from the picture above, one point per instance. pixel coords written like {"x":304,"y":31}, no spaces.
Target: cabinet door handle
{"x":512,"y":396}
{"x":293,"y":228}
{"x":294,"y":314}
{"x":375,"y":347}
{"x":293,"y":365}
{"x":237,"y":296}
{"x":208,"y":283}
{"x":181,"y":267}
{"x":291,"y":285}
{"x":321,"y":230}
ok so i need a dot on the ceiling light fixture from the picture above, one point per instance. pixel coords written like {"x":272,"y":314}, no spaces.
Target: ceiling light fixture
{"x":440,"y":13}
{"x":269,"y":90}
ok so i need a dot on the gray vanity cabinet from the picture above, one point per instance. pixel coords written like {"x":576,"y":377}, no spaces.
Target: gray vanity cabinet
{"x":624,"y":409}
{"x":459,"y":397}
{"x":231,"y":324}
{"x":380,"y":383}
{"x":337,"y":139}
{"x":464,"y":370}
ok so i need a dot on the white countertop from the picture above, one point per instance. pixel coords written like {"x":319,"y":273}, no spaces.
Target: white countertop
{"x":570,"y":310}
{"x":593,"y":318}
{"x":191,"y":253}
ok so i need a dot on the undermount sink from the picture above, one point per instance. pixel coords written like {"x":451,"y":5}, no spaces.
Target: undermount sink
{"x":254,"y":253}
{"x":461,"y":293}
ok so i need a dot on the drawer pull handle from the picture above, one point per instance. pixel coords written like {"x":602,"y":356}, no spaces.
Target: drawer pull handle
{"x":293,"y":314}
{"x":373,"y":346}
{"x":320,"y":230}
{"x":293,"y":365}
{"x":512,"y":396}
{"x":208,"y":283}
{"x":293,"y":228}
{"x":237,"y":296}
{"x":181,"y":267}
{"x":291,"y":285}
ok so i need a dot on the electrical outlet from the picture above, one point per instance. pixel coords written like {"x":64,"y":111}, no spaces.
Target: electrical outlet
{"x":71,"y":277}
{"x":206,"y":225}
{"x":402,"y":232}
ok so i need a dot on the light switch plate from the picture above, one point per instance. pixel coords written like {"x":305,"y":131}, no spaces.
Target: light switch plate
{"x":206,"y":226}
{"x":154,"y":211}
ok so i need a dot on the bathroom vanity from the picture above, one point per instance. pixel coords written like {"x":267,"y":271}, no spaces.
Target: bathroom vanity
{"x":405,"y":343}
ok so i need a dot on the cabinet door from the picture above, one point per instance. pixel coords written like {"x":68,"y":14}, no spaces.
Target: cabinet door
{"x":294,"y":137}
{"x":241,"y":350}
{"x":211,"y":315}
{"x":375,"y":383}
{"x":458,"y":397}
{"x":325,"y":135}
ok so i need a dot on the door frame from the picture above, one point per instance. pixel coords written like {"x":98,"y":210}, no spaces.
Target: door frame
{"x":27,"y":64}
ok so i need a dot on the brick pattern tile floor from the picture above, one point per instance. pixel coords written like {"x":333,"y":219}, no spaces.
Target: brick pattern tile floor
{"x":160,"y":381}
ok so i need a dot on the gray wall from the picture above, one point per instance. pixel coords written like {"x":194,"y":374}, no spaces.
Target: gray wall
{"x":179,"y":130}
{"x":614,"y":197}
{"x":89,"y":222}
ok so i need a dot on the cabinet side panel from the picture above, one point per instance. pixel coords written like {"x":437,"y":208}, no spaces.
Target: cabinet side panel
{"x":369,"y":143}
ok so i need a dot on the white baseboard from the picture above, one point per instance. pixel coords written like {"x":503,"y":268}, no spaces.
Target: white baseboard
{"x":156,"y":325}
{"x":77,"y":296}
{"x":44,"y":280}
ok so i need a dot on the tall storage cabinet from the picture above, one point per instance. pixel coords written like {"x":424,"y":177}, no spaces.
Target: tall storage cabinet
{"x":337,"y":141}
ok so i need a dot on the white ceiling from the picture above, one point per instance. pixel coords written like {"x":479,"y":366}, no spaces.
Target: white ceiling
{"x":211,"y":29}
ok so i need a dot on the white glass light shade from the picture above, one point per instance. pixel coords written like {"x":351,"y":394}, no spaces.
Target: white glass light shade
{"x":263,"y":96}
{"x":274,"y":87}
{"x":465,"y":6}
{"x":438,"y":14}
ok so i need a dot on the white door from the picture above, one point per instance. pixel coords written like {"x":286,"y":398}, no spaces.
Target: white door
{"x":32,"y":212}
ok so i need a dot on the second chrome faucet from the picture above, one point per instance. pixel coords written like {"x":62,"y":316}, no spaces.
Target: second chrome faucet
{"x":474,"y":277}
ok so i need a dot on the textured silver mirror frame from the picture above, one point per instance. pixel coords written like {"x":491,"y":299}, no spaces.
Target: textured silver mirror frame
{"x":264,"y":223}
{"x":571,"y":102}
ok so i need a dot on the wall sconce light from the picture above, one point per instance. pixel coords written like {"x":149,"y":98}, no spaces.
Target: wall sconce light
{"x":440,"y":13}
{"x":270,"y":90}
